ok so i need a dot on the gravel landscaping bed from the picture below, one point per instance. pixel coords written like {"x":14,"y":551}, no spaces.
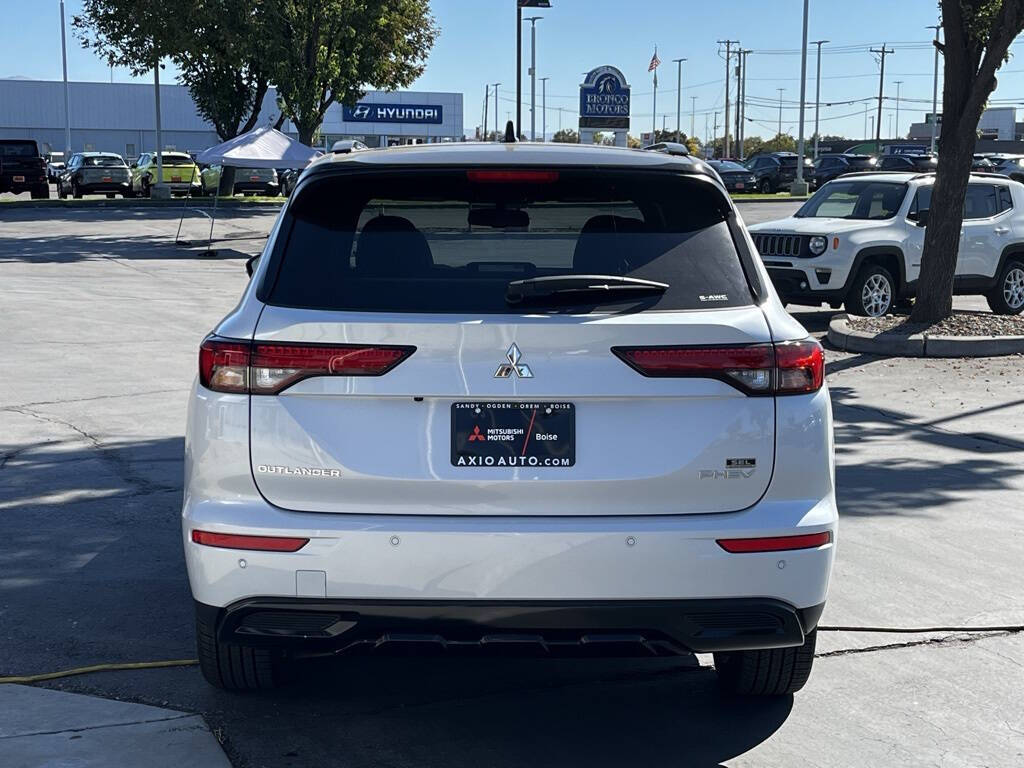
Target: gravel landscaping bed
{"x":959,"y":324}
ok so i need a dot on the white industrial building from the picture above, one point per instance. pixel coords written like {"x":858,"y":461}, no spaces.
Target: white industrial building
{"x":121,"y":117}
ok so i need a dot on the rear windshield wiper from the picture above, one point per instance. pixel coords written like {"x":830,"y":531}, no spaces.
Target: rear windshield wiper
{"x":520,"y":291}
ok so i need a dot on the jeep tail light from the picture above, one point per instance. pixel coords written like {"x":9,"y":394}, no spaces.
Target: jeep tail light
{"x":756,"y":369}
{"x":230,"y":365}
{"x":777,"y":543}
{"x":244,"y":541}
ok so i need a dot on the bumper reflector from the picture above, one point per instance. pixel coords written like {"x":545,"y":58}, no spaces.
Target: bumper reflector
{"x":239,"y":541}
{"x":776,"y":543}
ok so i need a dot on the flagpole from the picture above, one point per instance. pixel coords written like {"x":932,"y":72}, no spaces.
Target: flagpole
{"x":654,"y":118}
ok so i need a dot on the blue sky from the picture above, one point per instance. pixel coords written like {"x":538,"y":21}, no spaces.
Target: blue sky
{"x":477,"y":46}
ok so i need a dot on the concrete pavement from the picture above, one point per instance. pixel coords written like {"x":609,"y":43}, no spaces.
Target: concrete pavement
{"x":101,"y":324}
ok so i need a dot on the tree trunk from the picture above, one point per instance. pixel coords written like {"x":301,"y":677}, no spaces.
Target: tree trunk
{"x":257,"y":106}
{"x":942,"y":238}
{"x":306,"y":132}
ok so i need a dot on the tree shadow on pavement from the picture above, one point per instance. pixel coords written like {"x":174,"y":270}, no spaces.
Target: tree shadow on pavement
{"x":889,"y":463}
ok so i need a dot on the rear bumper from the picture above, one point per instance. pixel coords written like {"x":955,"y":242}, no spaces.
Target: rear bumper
{"x":651,"y":627}
{"x":118,"y":187}
{"x":266,"y":188}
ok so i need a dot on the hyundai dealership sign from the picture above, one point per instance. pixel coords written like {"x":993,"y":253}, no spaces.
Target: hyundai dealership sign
{"x":604,"y":99}
{"x":417,"y":114}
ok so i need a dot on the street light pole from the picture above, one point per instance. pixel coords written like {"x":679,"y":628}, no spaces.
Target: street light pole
{"x":544,"y":108}
{"x":533,"y":75}
{"x":496,"y":133}
{"x":780,"y":90}
{"x":817,"y":96}
{"x":67,"y":109}
{"x":519,"y":69}
{"x":935,"y":88}
{"x":693,"y":114}
{"x":898,"y":84}
{"x":803,"y":99}
{"x":679,"y":96}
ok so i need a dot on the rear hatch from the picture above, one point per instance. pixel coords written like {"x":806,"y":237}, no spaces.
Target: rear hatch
{"x":21,"y":158}
{"x":421,"y":364}
{"x":104,"y":170}
{"x":179,"y":169}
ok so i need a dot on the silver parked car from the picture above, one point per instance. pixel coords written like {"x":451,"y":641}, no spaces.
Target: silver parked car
{"x":92,"y":173}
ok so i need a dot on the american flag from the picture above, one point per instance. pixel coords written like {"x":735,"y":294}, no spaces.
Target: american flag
{"x":655,"y":62}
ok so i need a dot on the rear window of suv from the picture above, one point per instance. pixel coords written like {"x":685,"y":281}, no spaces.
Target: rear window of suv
{"x":18,"y":149}
{"x":451,"y":241}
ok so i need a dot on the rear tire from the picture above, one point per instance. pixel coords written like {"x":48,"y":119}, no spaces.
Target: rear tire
{"x":775,"y":672}
{"x":764,"y":186}
{"x":873,"y":292}
{"x":1007,"y":298}
{"x":234,"y":667}
{"x":75,"y":191}
{"x":41,"y":193}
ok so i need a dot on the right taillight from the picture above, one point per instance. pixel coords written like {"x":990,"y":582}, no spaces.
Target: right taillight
{"x":259,"y":368}
{"x":788,"y":368}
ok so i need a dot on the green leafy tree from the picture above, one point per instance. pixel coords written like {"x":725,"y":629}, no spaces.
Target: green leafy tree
{"x":224,"y":63}
{"x":326,"y":51}
{"x":752,"y":145}
{"x":134,"y":34}
{"x":566,"y":136}
{"x":781,"y":142}
{"x":978,"y":34}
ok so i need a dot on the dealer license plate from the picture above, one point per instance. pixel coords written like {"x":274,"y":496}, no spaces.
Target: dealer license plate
{"x":513,"y":434}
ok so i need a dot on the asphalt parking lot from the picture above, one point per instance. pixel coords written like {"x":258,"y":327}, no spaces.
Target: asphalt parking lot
{"x":102,"y":316}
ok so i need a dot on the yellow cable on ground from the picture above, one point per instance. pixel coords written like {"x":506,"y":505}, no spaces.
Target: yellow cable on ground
{"x":99,"y":668}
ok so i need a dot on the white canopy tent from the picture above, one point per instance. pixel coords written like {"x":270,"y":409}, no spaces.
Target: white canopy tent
{"x":264,"y":147}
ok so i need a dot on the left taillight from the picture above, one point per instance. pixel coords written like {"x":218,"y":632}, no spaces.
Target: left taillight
{"x":788,"y":368}
{"x":248,"y":541}
{"x":258,"y":368}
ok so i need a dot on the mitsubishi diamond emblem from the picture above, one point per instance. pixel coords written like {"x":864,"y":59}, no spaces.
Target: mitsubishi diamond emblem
{"x":513,"y":366}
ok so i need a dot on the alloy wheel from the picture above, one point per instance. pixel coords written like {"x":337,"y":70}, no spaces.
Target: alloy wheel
{"x":876,"y":296}
{"x":1013,"y":288}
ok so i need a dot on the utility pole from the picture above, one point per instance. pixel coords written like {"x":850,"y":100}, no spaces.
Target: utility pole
{"x":693,"y":115}
{"x":935,"y":87}
{"x":817,"y":96}
{"x":654,"y":118}
{"x":881,"y":92}
{"x":67,"y":108}
{"x":741,"y":103}
{"x":679,"y":95}
{"x":898,"y":84}
{"x":533,"y":76}
{"x":497,"y":135}
{"x":728,"y":55}
{"x":714,"y":136}
{"x":780,"y":90}
{"x":487,"y":96}
{"x":544,"y":108}
{"x":519,"y":72}
{"x":800,"y":186}
{"x":737,"y":72}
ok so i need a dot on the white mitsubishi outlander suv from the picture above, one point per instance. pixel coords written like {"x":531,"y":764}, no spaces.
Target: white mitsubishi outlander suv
{"x":858,"y":241}
{"x":509,"y":396}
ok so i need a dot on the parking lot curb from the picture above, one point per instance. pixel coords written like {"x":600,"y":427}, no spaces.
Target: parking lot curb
{"x":40,"y":726}
{"x":842,"y":336}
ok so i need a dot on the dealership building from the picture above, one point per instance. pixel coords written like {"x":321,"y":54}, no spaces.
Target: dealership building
{"x":121,"y":117}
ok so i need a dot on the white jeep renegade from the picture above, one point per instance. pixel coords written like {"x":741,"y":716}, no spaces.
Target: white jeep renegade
{"x":858,"y":242}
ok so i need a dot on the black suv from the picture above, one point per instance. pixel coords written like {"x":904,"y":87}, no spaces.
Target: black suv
{"x":918,"y":163}
{"x":828,"y":167}
{"x":775,"y":171}
{"x":22,"y":168}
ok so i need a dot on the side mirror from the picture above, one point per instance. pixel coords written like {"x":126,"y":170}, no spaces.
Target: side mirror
{"x":922,"y":218}
{"x":250,"y":264}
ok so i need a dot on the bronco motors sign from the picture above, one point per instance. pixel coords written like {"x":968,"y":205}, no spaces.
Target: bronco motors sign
{"x":393,"y":113}
{"x":604,"y":99}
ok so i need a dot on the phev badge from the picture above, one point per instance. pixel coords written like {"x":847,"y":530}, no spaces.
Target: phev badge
{"x":513,"y":367}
